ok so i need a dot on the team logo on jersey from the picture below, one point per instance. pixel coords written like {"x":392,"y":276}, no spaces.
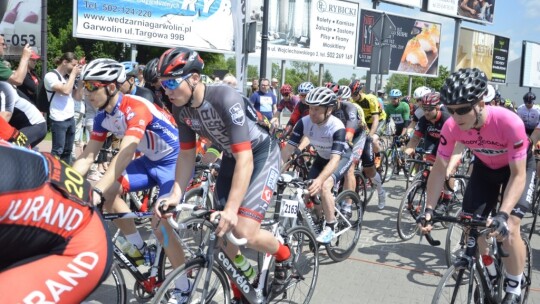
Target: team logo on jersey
{"x":270,"y":185}
{"x":187,"y":121}
{"x":195,"y":124}
{"x":237,"y":114}
{"x":130,"y":116}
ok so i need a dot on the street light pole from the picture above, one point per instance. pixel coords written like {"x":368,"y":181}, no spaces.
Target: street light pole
{"x":264,"y":40}
{"x":44,"y":18}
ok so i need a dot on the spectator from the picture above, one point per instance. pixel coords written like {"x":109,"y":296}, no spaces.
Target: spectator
{"x":140,"y":77}
{"x":61,"y":91}
{"x":264,"y":100}
{"x":274,"y":87}
{"x":254,"y":87}
{"x":31,"y":80}
{"x":80,"y":109}
{"x":6,"y":74}
{"x":230,"y":80}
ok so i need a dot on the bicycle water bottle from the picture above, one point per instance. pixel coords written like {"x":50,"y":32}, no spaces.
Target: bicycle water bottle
{"x":152,"y":249}
{"x":131,"y":251}
{"x":490,"y":266}
{"x":241,"y":262}
{"x":147,"y":258}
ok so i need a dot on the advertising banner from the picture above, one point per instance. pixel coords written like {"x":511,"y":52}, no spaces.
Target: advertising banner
{"x":21,"y":25}
{"x":414,"y":43}
{"x":530,"y":65}
{"x":202,"y":25}
{"x":485,"y":51}
{"x":481,"y":11}
{"x":413,"y":3}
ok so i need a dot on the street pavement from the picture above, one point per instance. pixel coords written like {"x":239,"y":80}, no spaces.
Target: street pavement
{"x":382,"y":268}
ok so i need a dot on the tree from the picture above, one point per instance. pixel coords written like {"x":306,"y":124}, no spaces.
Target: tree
{"x":344,"y":81}
{"x":401,"y":82}
{"x":327,"y":77}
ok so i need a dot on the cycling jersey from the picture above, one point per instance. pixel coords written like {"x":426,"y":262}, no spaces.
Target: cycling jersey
{"x":231,"y":123}
{"x":348,"y":115}
{"x":300,"y":110}
{"x":136,"y":116}
{"x":289,"y":104}
{"x":431,"y":131}
{"x":47,"y":224}
{"x":530,"y":117}
{"x":499,"y":141}
{"x":399,"y":113}
{"x":370,"y":105}
{"x":148,"y":95}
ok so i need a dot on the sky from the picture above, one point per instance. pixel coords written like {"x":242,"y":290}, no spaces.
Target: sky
{"x":515,"y":19}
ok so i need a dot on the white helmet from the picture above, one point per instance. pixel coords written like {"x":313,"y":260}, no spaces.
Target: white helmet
{"x":490,"y":94}
{"x":344,"y":92}
{"x":321,"y":96}
{"x":305,"y":87}
{"x":420,"y":92}
{"x":106,"y":70}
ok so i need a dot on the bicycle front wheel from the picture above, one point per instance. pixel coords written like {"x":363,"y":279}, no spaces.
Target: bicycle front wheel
{"x":454,"y":287}
{"x":112,"y":290}
{"x":348,"y":226}
{"x":412,"y":205}
{"x":527,"y":273}
{"x":455,"y":243}
{"x":195,"y":271}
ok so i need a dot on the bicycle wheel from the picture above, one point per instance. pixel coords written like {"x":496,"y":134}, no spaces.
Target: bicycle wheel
{"x":361,"y":186}
{"x":534,"y":211}
{"x":454,"y":287}
{"x":347,"y":229}
{"x":386,"y":169}
{"x":112,"y":290}
{"x":194,"y":234}
{"x":527,"y":273}
{"x":412,"y":205}
{"x":454,"y":244}
{"x":195,"y":197}
{"x":196,"y":270}
{"x":305,"y":252}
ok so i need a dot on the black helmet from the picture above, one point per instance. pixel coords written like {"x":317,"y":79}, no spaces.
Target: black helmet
{"x":356,"y":86}
{"x":150,"y":72}
{"x":465,"y":86}
{"x":179,"y":62}
{"x":529,"y":97}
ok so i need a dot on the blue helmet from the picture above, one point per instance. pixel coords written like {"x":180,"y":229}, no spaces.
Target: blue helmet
{"x":395,"y":93}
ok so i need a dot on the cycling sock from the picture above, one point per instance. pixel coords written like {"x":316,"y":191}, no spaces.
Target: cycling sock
{"x":282,"y":253}
{"x":135,"y":239}
{"x":378,"y":182}
{"x":512,"y":283}
{"x":182,"y":283}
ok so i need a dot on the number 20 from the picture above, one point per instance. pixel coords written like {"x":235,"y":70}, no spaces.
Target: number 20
{"x":74,"y":182}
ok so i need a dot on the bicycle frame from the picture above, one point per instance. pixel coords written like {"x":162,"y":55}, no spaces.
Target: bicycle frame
{"x":207,"y":183}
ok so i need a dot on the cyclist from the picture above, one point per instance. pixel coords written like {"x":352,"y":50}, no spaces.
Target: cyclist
{"x":418,"y":112}
{"x":327,"y":134}
{"x":250,"y":165}
{"x":288,"y":101}
{"x":12,"y":135}
{"x":151,"y":82}
{"x":399,"y":111}
{"x":301,"y":109}
{"x":47,"y":223}
{"x":142,"y":127}
{"x":529,"y":112}
{"x":502,"y":158}
{"x":129,"y":86}
{"x":508,"y":104}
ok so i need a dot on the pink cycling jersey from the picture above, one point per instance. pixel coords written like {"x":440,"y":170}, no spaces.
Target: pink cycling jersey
{"x":499,"y":141}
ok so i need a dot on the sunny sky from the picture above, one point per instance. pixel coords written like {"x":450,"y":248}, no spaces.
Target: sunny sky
{"x":515,"y":19}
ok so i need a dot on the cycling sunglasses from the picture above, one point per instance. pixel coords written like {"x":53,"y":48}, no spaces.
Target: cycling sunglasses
{"x":428,"y":109}
{"x":173,"y":83}
{"x":460,"y":111}
{"x":92,"y":86}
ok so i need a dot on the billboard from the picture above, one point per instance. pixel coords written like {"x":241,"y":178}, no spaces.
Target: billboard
{"x":485,"y":51}
{"x":21,"y":25}
{"x":530,"y":65}
{"x":414,"y":43}
{"x":305,"y":30}
{"x":412,"y":3}
{"x":202,"y":25}
{"x":481,"y":11}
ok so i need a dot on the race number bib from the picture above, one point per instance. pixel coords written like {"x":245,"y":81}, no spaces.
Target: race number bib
{"x":398,"y":119}
{"x":289,"y":208}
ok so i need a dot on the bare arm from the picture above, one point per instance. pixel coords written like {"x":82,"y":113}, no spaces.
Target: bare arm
{"x":436,"y":182}
{"x":86,"y":159}
{"x":412,"y":144}
{"x":17,"y":78}
{"x":374,"y":124}
{"x":67,"y":88}
{"x":455,"y":158}
{"x":6,"y":115}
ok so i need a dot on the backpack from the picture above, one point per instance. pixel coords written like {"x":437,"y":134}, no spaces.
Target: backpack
{"x":42,"y":101}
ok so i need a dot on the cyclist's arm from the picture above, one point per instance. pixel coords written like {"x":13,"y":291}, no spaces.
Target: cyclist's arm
{"x":86,"y":159}
{"x":455,"y":158}
{"x":286,"y":152}
{"x":374,"y":124}
{"x":185,"y":162}
{"x":413,"y":143}
{"x":303,"y":143}
{"x":411,"y":126}
{"x":435,"y":182}
{"x":535,"y":136}
{"x":6,"y":115}
{"x":128,"y":146}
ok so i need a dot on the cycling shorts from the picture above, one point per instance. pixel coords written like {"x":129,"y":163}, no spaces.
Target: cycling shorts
{"x":358,"y":145}
{"x":143,"y":173}
{"x":263,"y":183}
{"x":480,"y":197}
{"x":368,"y":156}
{"x":343,"y":166}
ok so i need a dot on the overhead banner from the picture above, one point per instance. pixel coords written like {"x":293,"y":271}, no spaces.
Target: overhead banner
{"x":414,"y":43}
{"x":412,"y":3}
{"x":530,"y":65}
{"x":304,"y":30}
{"x":202,"y":25}
{"x":481,"y":11}
{"x":485,"y":51}
{"x":21,"y":25}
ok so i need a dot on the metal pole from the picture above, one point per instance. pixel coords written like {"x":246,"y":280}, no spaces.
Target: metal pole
{"x":409,"y":89}
{"x":44,"y":18}
{"x":133,"y":53}
{"x":264,"y":39}
{"x":368,"y":73}
{"x":321,"y":71}
{"x":456,"y":44}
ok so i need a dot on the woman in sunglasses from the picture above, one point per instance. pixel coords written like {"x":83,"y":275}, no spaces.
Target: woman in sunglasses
{"x":503,"y":160}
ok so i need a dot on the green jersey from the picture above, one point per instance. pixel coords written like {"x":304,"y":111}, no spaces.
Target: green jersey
{"x":399,"y":114}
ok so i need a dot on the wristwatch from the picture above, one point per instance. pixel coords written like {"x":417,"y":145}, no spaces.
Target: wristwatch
{"x":97,"y":191}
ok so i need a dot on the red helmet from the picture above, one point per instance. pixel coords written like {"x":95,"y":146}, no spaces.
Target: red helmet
{"x":356,"y":87}
{"x":285,"y":89}
{"x":431,"y":99}
{"x":332,"y":86}
{"x":179,"y":62}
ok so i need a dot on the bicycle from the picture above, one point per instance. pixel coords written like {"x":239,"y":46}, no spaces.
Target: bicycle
{"x":467,"y":280}
{"x":395,"y":159}
{"x":201,"y":191}
{"x":347,"y":228}
{"x":208,"y":272}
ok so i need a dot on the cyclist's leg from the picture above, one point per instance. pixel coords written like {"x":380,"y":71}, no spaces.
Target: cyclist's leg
{"x":368,"y":162}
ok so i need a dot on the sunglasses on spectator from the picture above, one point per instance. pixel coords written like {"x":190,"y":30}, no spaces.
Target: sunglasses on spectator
{"x":92,"y":86}
{"x":460,"y":111}
{"x":173,"y":83}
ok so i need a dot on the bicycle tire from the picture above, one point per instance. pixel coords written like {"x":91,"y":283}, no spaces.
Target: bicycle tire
{"x":194,"y":234}
{"x":196,"y":270}
{"x":195,"y":197}
{"x":361,"y":186}
{"x":305,"y":271}
{"x":454,"y":244}
{"x":534,"y":210}
{"x":140,"y":292}
{"x":385,"y":169}
{"x":410,"y":208}
{"x":114,"y":284}
{"x":527,"y":272}
{"x":341,"y":247}
{"x":454,"y":287}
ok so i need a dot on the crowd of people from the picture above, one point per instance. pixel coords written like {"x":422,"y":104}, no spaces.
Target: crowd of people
{"x":154,"y":115}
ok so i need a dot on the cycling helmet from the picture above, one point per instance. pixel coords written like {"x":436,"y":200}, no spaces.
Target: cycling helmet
{"x":395,"y":93}
{"x":177,"y":62}
{"x":529,"y":97}
{"x":508,"y":103}
{"x":105,"y":70}
{"x":466,"y":86}
{"x":305,"y":87}
{"x":497,"y":94}
{"x":490,"y":93}
{"x":344,"y":92}
{"x":420,"y":92}
{"x":356,"y":87}
{"x":406,"y":99}
{"x":129,"y":66}
{"x":285,"y":89}
{"x":321,"y":96}
{"x":333,"y":86}
{"x":150,"y":72}
{"x":431,"y":99}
